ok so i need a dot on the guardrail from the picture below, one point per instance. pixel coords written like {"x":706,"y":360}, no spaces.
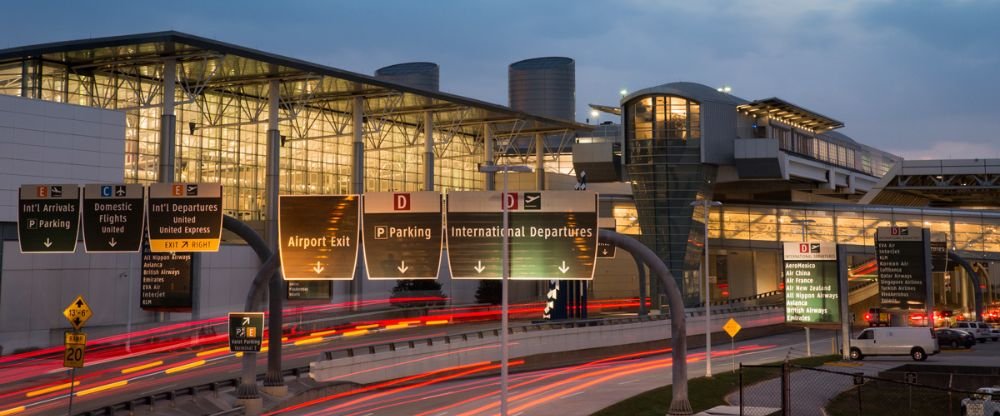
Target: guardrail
{"x":743,"y":299}
{"x":216,"y":386}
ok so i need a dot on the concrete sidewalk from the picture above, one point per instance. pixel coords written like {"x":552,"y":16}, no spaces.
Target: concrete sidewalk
{"x":810,"y":390}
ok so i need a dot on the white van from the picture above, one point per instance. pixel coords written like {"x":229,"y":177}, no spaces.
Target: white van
{"x":917,"y":342}
{"x":980,"y":330}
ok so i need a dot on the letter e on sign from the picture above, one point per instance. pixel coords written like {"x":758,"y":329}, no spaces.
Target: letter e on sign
{"x":401,"y":202}
{"x":511,"y":199}
{"x":42,"y":191}
{"x":177,"y":190}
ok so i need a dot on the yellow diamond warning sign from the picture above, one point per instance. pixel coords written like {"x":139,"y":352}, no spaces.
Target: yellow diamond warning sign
{"x":77,"y":313}
{"x":732,"y":327}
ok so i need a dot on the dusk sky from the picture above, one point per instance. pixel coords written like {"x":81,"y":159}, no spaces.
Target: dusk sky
{"x":916,"y":78}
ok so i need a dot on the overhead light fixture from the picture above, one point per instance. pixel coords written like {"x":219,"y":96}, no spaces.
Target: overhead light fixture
{"x":623,"y":92}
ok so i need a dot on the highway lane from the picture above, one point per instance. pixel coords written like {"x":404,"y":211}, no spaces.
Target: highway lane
{"x":573,"y":390}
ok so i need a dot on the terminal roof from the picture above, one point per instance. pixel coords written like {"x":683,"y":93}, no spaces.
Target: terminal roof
{"x":229,"y":68}
{"x":783,"y":109}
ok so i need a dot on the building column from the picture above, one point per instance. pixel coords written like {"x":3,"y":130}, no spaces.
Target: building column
{"x":428,"y":151}
{"x":488,"y":146}
{"x":168,"y":123}
{"x":274,"y":383}
{"x":539,"y":161}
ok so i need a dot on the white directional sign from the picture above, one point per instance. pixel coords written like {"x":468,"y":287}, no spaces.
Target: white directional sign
{"x":402,"y":235}
{"x":553,"y":234}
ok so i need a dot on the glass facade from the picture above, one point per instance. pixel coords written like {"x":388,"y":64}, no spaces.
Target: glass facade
{"x":663,"y":159}
{"x":222,"y":124}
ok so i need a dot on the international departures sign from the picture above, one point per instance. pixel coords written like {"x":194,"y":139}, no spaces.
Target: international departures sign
{"x":402,"y":235}
{"x":812,"y":283}
{"x":318,"y":236}
{"x":553,"y":234}
{"x":185,"y":217}
{"x":48,"y":218}
{"x":113,"y":218}
{"x":901,"y":254}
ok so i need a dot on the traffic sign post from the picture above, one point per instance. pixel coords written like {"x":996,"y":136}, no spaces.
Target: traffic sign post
{"x":812,"y":284}
{"x":185,"y":217}
{"x":553,"y":234}
{"x":732,"y":328}
{"x":246,"y":331}
{"x":48,"y":218}
{"x":402,"y":235}
{"x":78,"y":313}
{"x":902,"y":255}
{"x":318,"y":236}
{"x":113,"y":218}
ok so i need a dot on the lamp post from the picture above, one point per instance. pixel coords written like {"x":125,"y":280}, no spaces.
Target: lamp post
{"x":805,"y":227}
{"x":707,"y":204}
{"x":504,"y":275}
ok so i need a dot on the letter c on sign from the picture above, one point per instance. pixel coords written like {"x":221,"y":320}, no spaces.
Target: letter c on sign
{"x":401,"y":202}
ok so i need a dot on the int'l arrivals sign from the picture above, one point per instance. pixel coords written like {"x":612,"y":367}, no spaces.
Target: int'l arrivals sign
{"x":812,"y":285}
{"x":902,"y":254}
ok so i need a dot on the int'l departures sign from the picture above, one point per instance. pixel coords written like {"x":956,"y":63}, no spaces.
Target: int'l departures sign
{"x":812,"y":284}
{"x":185,"y":217}
{"x":318,"y":236}
{"x":48,"y":218}
{"x":902,"y":256}
{"x":114,"y":217}
{"x":402,"y":234}
{"x":553,"y":234}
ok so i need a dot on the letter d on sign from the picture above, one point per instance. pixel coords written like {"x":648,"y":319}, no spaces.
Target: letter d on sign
{"x":401,"y":202}
{"x":511,"y":198}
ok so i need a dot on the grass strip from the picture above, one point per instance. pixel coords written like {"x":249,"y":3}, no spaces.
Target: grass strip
{"x":704,"y":393}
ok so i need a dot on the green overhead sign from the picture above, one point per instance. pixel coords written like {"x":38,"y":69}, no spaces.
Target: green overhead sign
{"x":812,"y":288}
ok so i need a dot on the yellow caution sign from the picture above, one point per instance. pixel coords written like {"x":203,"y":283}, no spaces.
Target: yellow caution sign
{"x":732,"y":327}
{"x":76,"y":343}
{"x":77,"y":313}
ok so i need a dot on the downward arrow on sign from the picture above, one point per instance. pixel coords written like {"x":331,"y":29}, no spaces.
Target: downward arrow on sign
{"x":564,"y":269}
{"x":402,"y":267}
{"x":47,"y":243}
{"x":318,"y":268}
{"x":112,"y":243}
{"x":479,"y":267}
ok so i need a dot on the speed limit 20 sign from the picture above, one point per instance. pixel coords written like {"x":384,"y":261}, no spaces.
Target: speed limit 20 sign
{"x":76,"y":342}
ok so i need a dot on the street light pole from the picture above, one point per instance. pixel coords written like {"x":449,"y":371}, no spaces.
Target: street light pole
{"x":504,"y":277}
{"x":707,"y":204}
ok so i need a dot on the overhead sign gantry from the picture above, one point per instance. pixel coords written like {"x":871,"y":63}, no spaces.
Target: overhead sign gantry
{"x":553,"y":234}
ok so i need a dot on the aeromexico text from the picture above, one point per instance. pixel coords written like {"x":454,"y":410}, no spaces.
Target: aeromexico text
{"x":522,"y":231}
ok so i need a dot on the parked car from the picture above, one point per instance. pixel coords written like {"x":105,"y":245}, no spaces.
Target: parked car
{"x":917,"y":342}
{"x":877,"y":317}
{"x":982,"y":403}
{"x":955,"y":338}
{"x":981,"y":330}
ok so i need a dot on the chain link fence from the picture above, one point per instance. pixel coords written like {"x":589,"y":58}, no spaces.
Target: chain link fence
{"x":793,"y":390}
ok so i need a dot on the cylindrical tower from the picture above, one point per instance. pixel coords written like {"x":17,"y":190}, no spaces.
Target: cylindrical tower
{"x":544,"y":86}
{"x":423,"y":75}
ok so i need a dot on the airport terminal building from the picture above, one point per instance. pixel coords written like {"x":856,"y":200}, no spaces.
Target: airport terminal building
{"x":165,"y":107}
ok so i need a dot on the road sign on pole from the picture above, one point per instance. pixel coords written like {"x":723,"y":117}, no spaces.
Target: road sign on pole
{"x":553,"y":234}
{"x":76,"y":344}
{"x":113,"y":218}
{"x":246,"y":331}
{"x":78,"y":313}
{"x":185,"y":217}
{"x":402,"y":235}
{"x":318,"y":236}
{"x":903,"y":276}
{"x":48,"y":218}
{"x":812,"y":284}
{"x":165,"y":283}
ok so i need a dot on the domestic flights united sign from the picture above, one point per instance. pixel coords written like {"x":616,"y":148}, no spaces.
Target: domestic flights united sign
{"x":402,"y":235}
{"x":185,"y":217}
{"x":318,"y":236}
{"x":113,"y":218}
{"x":553,"y":234}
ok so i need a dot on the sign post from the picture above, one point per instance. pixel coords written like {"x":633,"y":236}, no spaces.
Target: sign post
{"x":48,"y":218}
{"x":553,"y":234}
{"x":812,"y":286}
{"x":113,"y":218}
{"x":402,"y":235}
{"x":185,"y":217}
{"x":246,"y":331}
{"x":77,"y":313}
{"x":732,"y":328}
{"x":318,"y":236}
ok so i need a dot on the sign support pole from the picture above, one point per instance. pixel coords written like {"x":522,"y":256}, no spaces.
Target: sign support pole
{"x":72,"y":383}
{"x":504,"y":272}
{"x":845,"y":323}
{"x":928,"y":277}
